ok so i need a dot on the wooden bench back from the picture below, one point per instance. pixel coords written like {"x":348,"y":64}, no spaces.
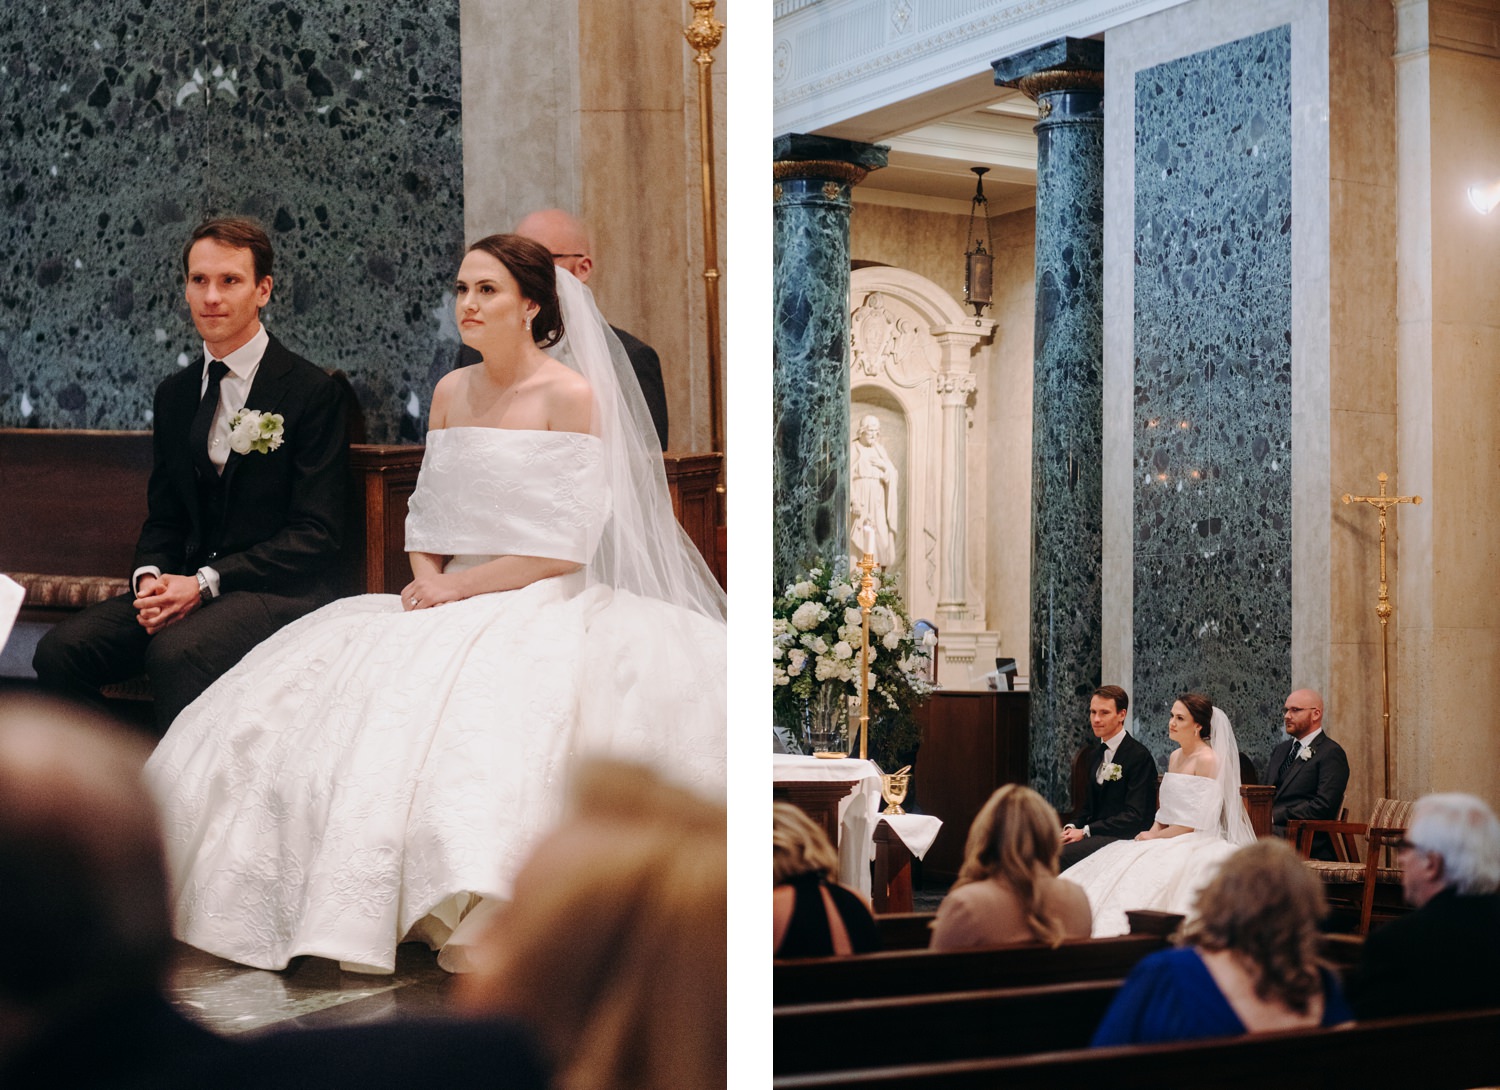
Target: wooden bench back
{"x":1435,"y":1052}
{"x":74,"y":500}
{"x":933,"y":1028}
{"x":924,"y":972}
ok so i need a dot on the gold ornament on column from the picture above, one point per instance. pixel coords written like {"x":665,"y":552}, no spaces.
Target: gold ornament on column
{"x":1383,"y":609}
{"x":704,"y":34}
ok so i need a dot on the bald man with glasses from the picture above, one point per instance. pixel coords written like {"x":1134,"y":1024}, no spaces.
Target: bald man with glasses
{"x":1309,"y":771}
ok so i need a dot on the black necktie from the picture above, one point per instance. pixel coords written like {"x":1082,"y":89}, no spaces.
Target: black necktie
{"x":1286,"y":763}
{"x":203,"y":420}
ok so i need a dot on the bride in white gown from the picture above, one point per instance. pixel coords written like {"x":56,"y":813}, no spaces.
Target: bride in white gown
{"x":375,"y":769}
{"x":1200,"y":823}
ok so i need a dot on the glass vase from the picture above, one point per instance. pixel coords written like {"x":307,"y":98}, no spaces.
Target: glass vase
{"x":828,"y":722}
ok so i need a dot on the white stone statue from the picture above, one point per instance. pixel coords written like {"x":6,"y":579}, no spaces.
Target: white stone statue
{"x":874,"y":503}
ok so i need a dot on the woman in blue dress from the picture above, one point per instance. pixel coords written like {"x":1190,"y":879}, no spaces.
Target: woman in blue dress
{"x":1248,"y":963}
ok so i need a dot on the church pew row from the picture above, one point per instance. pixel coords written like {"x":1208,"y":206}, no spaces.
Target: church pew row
{"x":1435,"y":1052}
{"x":904,"y":930}
{"x":934,"y":1028}
{"x":924,"y":972}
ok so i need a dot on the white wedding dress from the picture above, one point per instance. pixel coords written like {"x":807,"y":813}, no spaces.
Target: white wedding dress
{"x":1163,"y":874}
{"x":367,"y":774}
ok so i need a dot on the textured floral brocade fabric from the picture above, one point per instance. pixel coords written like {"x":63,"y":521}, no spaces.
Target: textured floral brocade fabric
{"x":1162,"y":874}
{"x":368,"y":770}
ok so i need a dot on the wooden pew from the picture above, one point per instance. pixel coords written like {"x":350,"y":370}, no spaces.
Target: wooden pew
{"x":905,"y":930}
{"x":925,"y":972}
{"x":933,"y":1028}
{"x":1434,"y":1052}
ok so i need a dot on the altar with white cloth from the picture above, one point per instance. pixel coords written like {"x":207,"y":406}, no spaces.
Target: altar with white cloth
{"x":845,"y":794}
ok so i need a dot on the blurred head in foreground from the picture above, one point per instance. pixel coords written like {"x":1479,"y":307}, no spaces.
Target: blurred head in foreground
{"x":1264,"y":906}
{"x":84,"y":901}
{"x":613,"y":949}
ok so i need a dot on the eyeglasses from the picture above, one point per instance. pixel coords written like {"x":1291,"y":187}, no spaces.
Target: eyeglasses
{"x":556,"y":256}
{"x":1297,"y":711}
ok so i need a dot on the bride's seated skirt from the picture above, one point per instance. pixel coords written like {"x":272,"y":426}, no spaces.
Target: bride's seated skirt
{"x":1164,"y":874}
{"x":369,"y":767}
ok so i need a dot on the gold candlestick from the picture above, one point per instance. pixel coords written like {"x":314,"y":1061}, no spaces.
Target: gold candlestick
{"x":866,"y":603}
{"x":1383,"y":609}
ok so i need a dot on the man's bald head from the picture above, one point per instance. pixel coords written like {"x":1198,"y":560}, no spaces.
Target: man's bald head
{"x":1303,"y":713}
{"x":80,"y":859}
{"x":564,"y":235}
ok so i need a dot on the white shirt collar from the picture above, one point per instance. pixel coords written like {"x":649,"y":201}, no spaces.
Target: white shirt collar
{"x":243,"y":361}
{"x":1111,"y":745}
{"x":1310,"y":737}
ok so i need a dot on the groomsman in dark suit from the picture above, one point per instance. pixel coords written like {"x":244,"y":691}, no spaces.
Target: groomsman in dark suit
{"x":1122,"y":782}
{"x":241,"y":529}
{"x":1309,"y":771}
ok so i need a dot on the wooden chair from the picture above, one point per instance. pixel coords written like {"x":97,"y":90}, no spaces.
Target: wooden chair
{"x":1377,"y":872}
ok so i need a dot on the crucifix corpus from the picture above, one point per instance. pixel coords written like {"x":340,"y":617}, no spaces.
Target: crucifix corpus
{"x":1382,"y":503}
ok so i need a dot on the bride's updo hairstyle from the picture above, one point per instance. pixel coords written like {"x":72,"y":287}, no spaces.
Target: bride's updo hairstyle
{"x":531,"y":264}
{"x":1013,"y":837}
{"x":1202,"y":710}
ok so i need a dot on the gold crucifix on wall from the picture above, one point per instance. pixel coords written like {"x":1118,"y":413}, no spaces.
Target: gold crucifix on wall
{"x":1382,"y":503}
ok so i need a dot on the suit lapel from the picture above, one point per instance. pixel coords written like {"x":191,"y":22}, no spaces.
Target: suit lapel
{"x":1299,"y":765}
{"x":265,"y":395}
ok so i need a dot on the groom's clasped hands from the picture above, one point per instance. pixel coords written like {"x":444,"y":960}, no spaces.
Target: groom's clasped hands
{"x":162,"y":600}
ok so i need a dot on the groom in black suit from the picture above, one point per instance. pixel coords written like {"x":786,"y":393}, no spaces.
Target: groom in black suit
{"x":1309,"y":771}
{"x":239,"y":539}
{"x":1122,"y":782}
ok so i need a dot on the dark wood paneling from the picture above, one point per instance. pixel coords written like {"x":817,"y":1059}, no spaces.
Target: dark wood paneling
{"x":972,"y":742}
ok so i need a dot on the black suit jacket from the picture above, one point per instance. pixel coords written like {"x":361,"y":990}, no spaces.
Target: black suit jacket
{"x":1126,"y":806}
{"x":647,"y":366}
{"x":1311,"y":790}
{"x":283,"y":511}
{"x":1443,"y":957}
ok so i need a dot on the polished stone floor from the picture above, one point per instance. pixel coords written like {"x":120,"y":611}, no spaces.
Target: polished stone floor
{"x":309,"y":993}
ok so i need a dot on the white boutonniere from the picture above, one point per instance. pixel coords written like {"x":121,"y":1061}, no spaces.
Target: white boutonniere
{"x":250,"y":430}
{"x":1112,"y":772}
{"x":1305,"y":755}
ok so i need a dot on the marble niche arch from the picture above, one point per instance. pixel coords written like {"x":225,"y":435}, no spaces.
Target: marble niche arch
{"x":913,"y":363}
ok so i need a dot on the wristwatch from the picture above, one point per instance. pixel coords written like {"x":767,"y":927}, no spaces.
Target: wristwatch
{"x":205,"y":594}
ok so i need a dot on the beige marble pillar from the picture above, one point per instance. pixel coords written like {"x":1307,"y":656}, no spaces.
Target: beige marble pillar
{"x":591,"y":106}
{"x":1448,"y":396}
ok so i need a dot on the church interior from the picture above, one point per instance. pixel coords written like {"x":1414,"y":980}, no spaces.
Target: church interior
{"x":374,"y":141}
{"x":1224,"y":421}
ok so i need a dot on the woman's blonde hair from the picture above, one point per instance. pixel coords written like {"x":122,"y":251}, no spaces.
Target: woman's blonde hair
{"x":614,"y":948}
{"x":1016,"y":838}
{"x":1264,"y":906}
{"x":799,"y":845}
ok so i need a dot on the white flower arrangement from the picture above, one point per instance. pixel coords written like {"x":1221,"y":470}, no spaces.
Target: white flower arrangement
{"x":250,"y":430}
{"x":816,"y":637}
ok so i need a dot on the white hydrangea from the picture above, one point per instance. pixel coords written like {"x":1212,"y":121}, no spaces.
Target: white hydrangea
{"x":891,"y":640}
{"x":881,"y":620}
{"x":796,"y":659}
{"x":842,"y":650}
{"x":840,"y":592}
{"x":778,"y":626}
{"x":853,"y":617}
{"x":809,"y":615}
{"x":778,"y":675}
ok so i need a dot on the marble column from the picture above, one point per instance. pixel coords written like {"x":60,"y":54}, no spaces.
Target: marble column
{"x":1066,"y":79}
{"x":810,"y":359}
